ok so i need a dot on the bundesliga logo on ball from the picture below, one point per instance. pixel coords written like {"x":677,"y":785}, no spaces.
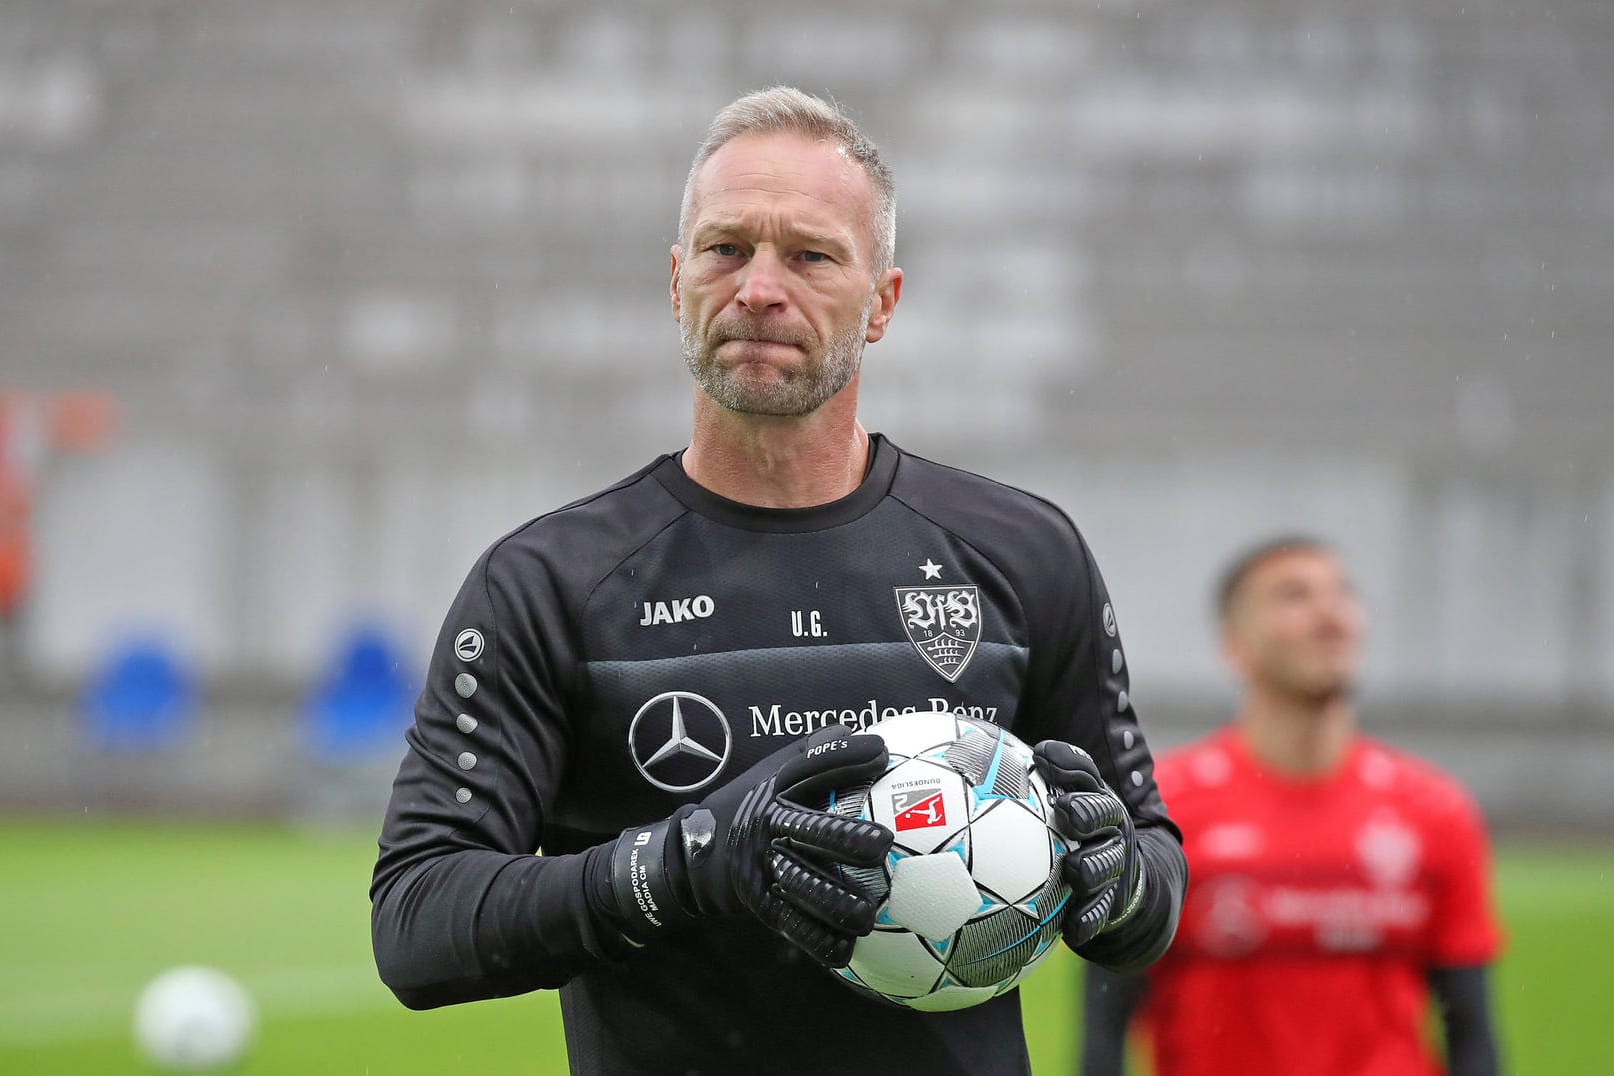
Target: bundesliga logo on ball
{"x":970,"y":895}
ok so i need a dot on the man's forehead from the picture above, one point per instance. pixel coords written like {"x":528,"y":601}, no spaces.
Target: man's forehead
{"x":782,"y":163}
{"x":1282,"y":565}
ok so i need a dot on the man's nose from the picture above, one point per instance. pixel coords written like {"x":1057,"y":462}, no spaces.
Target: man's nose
{"x":762,"y":282}
{"x":1334,"y":613}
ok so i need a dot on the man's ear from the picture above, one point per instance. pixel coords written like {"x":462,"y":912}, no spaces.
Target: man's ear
{"x":887,"y":290}
{"x":1234,"y":652}
{"x":672,"y":285}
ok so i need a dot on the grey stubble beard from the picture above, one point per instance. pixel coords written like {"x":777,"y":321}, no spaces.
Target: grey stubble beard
{"x":799,"y":393}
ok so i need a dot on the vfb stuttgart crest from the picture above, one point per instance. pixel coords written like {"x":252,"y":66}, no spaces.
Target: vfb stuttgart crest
{"x":943,"y":623}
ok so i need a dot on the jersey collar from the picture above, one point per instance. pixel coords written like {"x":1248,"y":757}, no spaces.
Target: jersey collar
{"x":697,"y":498}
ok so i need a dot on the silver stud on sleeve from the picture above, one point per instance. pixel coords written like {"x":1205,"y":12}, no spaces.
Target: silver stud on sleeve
{"x":1122,"y":703}
{"x":465,"y":684}
{"x":1116,"y":661}
{"x":1137,"y":779}
{"x":466,"y":760}
{"x":463,"y":795}
{"x":465,"y":723}
{"x":1127,"y":739}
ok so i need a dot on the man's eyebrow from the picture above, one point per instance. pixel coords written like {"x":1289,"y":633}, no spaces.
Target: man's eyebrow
{"x":728,"y":225}
{"x":826,"y":239}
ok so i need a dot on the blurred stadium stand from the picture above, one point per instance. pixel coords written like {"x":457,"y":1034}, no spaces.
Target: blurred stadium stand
{"x":374,"y":281}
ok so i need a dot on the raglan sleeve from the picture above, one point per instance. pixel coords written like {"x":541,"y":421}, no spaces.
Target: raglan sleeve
{"x":462,"y":907}
{"x":1079,"y":692}
{"x":1465,"y":922}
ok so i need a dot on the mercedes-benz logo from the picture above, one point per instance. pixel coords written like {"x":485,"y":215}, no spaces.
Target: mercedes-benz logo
{"x":679,"y":741}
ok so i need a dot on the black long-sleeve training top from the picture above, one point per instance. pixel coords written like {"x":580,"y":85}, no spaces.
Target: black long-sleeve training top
{"x":628,"y":653}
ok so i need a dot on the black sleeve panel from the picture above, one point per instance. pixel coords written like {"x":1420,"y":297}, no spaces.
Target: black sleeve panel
{"x":462,"y":907}
{"x":477,"y":925}
{"x":1077,"y":684}
{"x":1108,"y":1001}
{"x":1088,"y":664}
{"x":1463,"y":997}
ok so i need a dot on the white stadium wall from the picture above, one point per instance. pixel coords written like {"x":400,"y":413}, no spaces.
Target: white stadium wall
{"x":375,"y":282}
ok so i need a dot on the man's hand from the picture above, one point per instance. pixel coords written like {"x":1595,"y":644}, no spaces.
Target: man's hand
{"x":754,"y":846}
{"x":1103,"y":871}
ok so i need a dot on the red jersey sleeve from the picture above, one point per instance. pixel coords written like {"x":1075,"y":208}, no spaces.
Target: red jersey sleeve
{"x":1466,"y":931}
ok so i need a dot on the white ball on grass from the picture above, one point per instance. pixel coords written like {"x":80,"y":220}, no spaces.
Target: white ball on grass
{"x":193,"y":1018}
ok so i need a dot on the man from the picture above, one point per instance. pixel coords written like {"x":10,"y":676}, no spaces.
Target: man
{"x":653,"y":684}
{"x":1337,"y":882}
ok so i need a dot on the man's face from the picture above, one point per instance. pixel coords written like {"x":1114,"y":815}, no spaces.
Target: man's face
{"x":1295,"y":626}
{"x":775,"y":293}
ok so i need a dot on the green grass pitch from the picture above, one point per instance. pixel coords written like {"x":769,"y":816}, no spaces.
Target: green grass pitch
{"x":89,"y":912}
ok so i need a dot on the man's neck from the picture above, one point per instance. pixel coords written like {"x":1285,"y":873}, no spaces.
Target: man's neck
{"x":1294,"y":736}
{"x":773,"y":462}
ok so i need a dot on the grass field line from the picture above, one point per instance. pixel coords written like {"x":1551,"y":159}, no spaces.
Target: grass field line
{"x":52,"y":1016}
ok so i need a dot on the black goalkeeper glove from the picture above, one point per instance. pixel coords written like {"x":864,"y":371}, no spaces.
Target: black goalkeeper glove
{"x":752,"y":846}
{"x":1103,"y":871}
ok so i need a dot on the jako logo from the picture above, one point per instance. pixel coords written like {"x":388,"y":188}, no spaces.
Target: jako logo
{"x":678,"y":610}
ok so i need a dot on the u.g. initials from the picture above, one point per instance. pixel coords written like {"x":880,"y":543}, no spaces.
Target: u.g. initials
{"x":807,"y":624}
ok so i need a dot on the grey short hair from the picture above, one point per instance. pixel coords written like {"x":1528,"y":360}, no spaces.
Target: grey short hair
{"x":785,"y":109}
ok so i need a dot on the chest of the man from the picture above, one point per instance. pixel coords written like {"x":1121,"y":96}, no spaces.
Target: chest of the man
{"x":712,"y":647}
{"x":1275,"y":874}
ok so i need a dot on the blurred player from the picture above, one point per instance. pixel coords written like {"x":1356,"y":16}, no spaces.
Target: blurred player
{"x":651,"y":684}
{"x":1337,"y":883}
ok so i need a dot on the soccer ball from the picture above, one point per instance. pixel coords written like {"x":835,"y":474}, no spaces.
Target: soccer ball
{"x":970,"y":895}
{"x":193,"y":1018}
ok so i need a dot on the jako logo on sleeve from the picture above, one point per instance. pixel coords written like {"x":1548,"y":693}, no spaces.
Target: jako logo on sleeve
{"x":468,"y":645}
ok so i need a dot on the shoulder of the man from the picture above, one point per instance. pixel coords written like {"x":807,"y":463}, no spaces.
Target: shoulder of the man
{"x":581,"y":542}
{"x":1203,"y":763}
{"x":1416,"y":781}
{"x":981,"y":510}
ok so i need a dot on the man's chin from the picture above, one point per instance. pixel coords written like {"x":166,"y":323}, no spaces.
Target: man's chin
{"x":1329,"y":690}
{"x":744,"y":396}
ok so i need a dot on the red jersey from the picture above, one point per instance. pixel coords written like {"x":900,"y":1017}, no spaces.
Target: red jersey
{"x":1315,"y":909}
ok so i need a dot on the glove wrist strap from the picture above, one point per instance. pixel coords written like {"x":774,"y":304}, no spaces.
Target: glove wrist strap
{"x":644,"y":896}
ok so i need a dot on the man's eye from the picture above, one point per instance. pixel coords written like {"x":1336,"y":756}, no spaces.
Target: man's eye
{"x":725,"y":250}
{"x":814,"y":256}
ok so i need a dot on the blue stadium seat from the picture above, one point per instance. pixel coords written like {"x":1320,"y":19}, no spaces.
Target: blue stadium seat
{"x":141,"y":698}
{"x":363,"y":702}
